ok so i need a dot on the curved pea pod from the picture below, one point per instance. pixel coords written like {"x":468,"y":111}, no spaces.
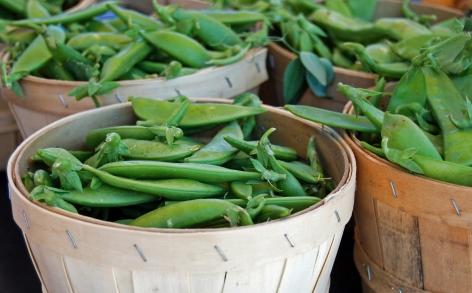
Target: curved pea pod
{"x":411,"y":47}
{"x":126,"y":59}
{"x":346,"y":28}
{"x":241,"y":52}
{"x":133,"y":18}
{"x":241,"y":189}
{"x":447,"y":102}
{"x":294,"y":203}
{"x":289,"y":186}
{"x":106,"y":196}
{"x":50,"y":155}
{"x":209,"y":30}
{"x":448,"y":27}
{"x":394,"y":70}
{"x":272,"y":212}
{"x":410,"y":89}
{"x":96,"y":136}
{"x":194,"y":212}
{"x":164,"y":170}
{"x":333,"y":119}
{"x":42,"y":177}
{"x":381,"y":53}
{"x":218,"y":151}
{"x":183,"y":48}
{"x":85,"y":40}
{"x":231,"y":17}
{"x":197,"y":115}
{"x":174,"y":189}
{"x":444,"y":170}
{"x":155,"y":150}
{"x":401,"y":28}
{"x":55,"y":70}
{"x":74,"y":62}
{"x":302,"y":171}
{"x":280,"y":152}
{"x":17,"y":6}
{"x":35,"y":56}
{"x":35,"y":9}
{"x":134,"y":74}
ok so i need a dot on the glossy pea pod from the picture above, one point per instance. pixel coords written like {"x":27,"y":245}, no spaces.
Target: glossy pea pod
{"x":295,"y":203}
{"x":272,"y":212}
{"x":134,"y":18}
{"x":241,"y":189}
{"x":401,"y":28}
{"x":75,"y":63}
{"x":175,"y":189}
{"x":155,"y":150}
{"x":85,"y":40}
{"x":192,"y":213}
{"x":164,"y":170}
{"x":280,"y":152}
{"x":35,"y":9}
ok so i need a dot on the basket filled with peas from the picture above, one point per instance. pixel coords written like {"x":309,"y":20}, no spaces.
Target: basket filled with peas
{"x":209,"y":194}
{"x":75,"y":61}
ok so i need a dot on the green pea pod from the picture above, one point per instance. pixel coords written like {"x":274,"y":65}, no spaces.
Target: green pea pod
{"x":301,"y":171}
{"x":242,"y":51}
{"x":191,"y":213}
{"x":16,"y":6}
{"x":333,"y":119}
{"x":152,"y":67}
{"x":218,"y":151}
{"x":163,"y":170}
{"x":42,"y":177}
{"x":401,"y":28}
{"x":272,"y":212}
{"x":106,"y":196}
{"x":410,"y":89}
{"x":363,"y":9}
{"x":230,"y":17}
{"x":44,"y":195}
{"x":34,"y":9}
{"x":74,"y":62}
{"x":381,"y":53}
{"x":126,"y":59}
{"x":28,"y":181}
{"x":241,"y":189}
{"x":448,"y":27}
{"x":134,"y":18}
{"x":35,"y":56}
{"x":409,"y":48}
{"x":85,"y":40}
{"x":444,"y":170}
{"x":134,"y":74}
{"x":447,"y":102}
{"x":280,"y":152}
{"x":66,"y":18}
{"x":155,"y":150}
{"x":294,"y":203}
{"x":81,"y":155}
{"x":340,"y":59}
{"x":314,"y":159}
{"x":339,"y":6}
{"x":197,"y":115}
{"x":56,"y":70}
{"x":175,"y":189}
{"x":50,"y":155}
{"x":375,"y":150}
{"x":347,"y":29}
{"x":183,"y":48}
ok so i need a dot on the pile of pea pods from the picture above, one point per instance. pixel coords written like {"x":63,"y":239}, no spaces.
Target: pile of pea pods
{"x":81,"y":46}
{"x":21,"y":9}
{"x":183,"y":165}
{"x":344,"y":33}
{"x":425,"y":124}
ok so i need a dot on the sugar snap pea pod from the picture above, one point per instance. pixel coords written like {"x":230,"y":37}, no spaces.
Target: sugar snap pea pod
{"x":301,"y":171}
{"x":45,"y":195}
{"x":191,"y":213}
{"x":34,"y":57}
{"x":106,"y":196}
{"x":280,"y":152}
{"x":410,"y":14}
{"x":231,"y":17}
{"x":164,"y":170}
{"x":314,"y":159}
{"x":28,"y":181}
{"x":381,"y":53}
{"x":444,"y":170}
{"x":86,"y":40}
{"x":242,"y":51}
{"x":17,"y":6}
{"x":56,"y":70}
{"x":375,"y":150}
{"x":69,"y":17}
{"x":126,"y":59}
{"x":74,"y":62}
{"x":197,"y":115}
{"x":272,"y":212}
{"x":42,"y":177}
{"x":155,"y":150}
{"x":183,"y":48}
{"x":175,"y":189}
{"x":395,"y":70}
{"x":295,"y":203}
{"x":410,"y":89}
{"x":133,"y":74}
{"x":333,"y":119}
{"x":445,"y":102}
{"x":346,"y":28}
{"x":50,"y":155}
{"x":35,"y":9}
{"x":112,"y":149}
{"x":410,"y":48}
{"x":241,"y":189}
{"x":218,"y":151}
{"x":448,"y":27}
{"x":339,"y":6}
{"x":401,"y":28}
{"x":134,"y":18}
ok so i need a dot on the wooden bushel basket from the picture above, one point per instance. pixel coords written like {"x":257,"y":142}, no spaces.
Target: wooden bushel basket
{"x":9,"y":136}
{"x":47,"y":100}
{"x":279,"y":57}
{"x":74,"y":253}
{"x":413,"y":234}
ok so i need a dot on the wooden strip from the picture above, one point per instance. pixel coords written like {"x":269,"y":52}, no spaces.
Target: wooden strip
{"x":263,"y":278}
{"x":446,"y":255}
{"x":399,"y":237}
{"x":298,"y":270}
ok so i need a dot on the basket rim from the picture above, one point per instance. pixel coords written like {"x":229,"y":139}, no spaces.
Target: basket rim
{"x":348,"y":178}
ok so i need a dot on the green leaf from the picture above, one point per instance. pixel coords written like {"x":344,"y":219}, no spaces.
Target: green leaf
{"x":328,"y":66}
{"x":315,"y":86}
{"x":293,"y":81}
{"x":314,"y":65}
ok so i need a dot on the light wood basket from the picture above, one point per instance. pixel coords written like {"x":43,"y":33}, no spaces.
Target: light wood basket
{"x":74,"y":253}
{"x":413,"y":233}
{"x":279,"y":57}
{"x":46,"y":100}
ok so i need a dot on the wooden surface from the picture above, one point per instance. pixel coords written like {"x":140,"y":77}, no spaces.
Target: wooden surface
{"x":409,"y":227}
{"x":259,"y":258}
{"x":47,"y":100}
{"x":279,"y":57}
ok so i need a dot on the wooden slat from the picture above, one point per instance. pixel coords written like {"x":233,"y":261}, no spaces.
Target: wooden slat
{"x":298,"y":269}
{"x":399,"y":238}
{"x":446,"y":255}
{"x":78,"y":270}
{"x":245,"y":281}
